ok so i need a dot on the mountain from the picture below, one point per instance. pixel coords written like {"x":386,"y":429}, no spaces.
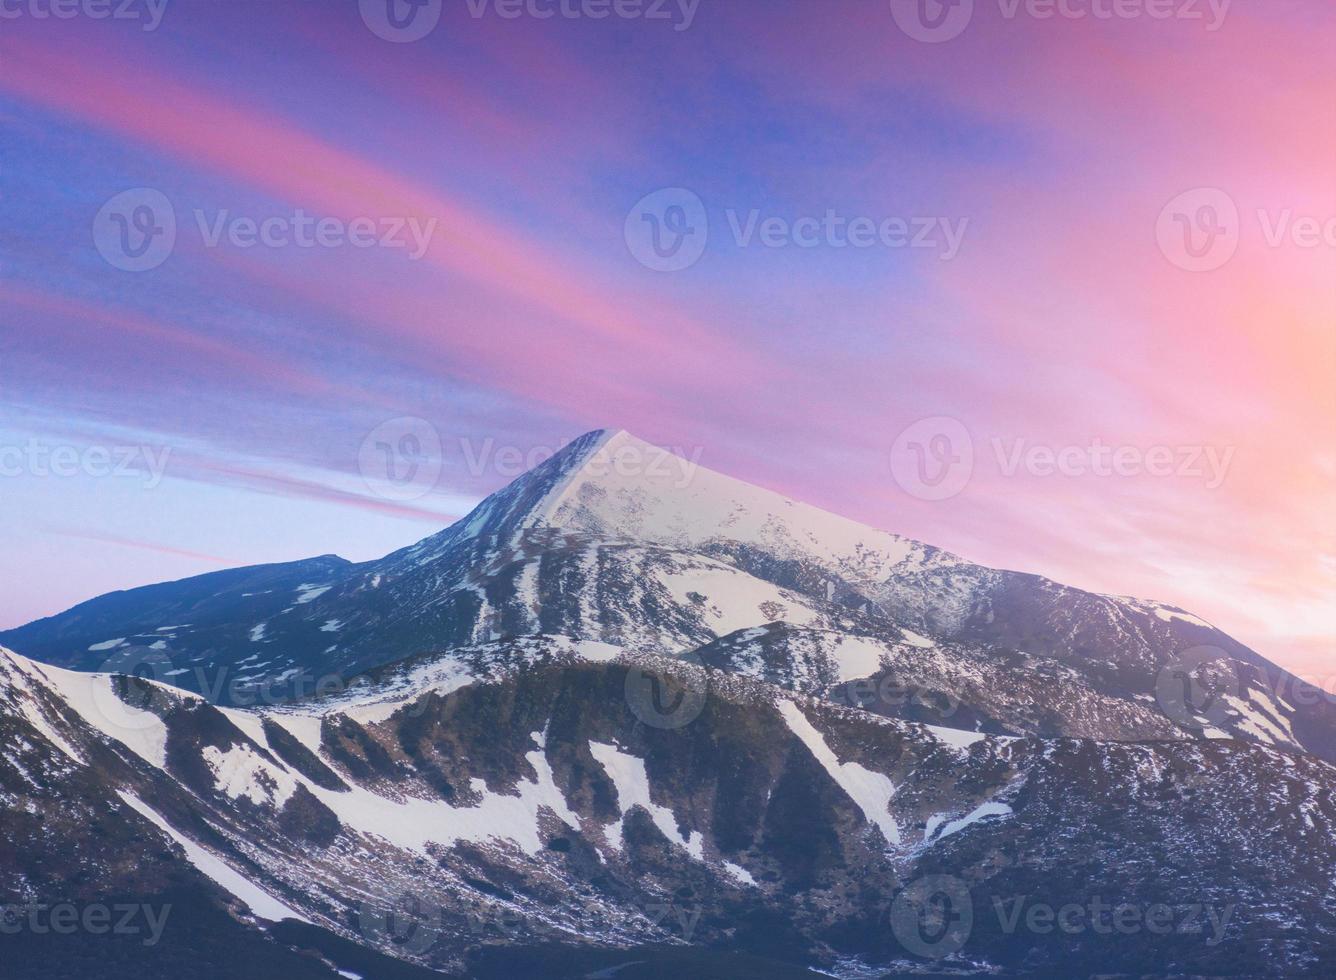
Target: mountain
{"x":517,"y":806}
{"x":633,"y":719}
{"x":616,"y":541}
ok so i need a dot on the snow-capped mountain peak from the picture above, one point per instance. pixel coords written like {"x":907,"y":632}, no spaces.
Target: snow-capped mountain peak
{"x":626,"y":487}
{"x":616,"y":541}
{"x":846,"y":710}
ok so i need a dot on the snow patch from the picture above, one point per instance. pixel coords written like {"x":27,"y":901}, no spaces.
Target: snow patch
{"x":734,"y":599}
{"x":1169,"y":615}
{"x":304,"y":728}
{"x":631,"y":781}
{"x":870,"y":790}
{"x":1266,"y":729}
{"x":857,"y":657}
{"x":955,"y":737}
{"x":309,"y":593}
{"x":95,"y":700}
{"x":250,"y":722}
{"x":740,"y":873}
{"x":34,"y":712}
{"x":260,"y":902}
{"x":241,"y":772}
{"x":412,"y":823}
{"x":989,"y":809}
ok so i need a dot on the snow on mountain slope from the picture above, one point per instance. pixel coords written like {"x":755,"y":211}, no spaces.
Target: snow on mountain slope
{"x":257,"y":899}
{"x":871,"y":709}
{"x":948,"y":684}
{"x":1125,"y":651}
{"x":511,"y":792}
{"x":615,"y":541}
{"x":872,"y":791}
{"x":627,"y":489}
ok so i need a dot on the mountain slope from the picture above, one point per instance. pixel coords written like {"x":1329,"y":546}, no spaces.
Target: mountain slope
{"x":464,"y":812}
{"x":618,"y":542}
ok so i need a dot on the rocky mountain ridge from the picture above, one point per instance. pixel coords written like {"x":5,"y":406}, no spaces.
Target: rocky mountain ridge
{"x":458,"y":812}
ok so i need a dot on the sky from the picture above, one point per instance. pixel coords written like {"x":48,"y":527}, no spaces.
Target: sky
{"x":1051,"y":285}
